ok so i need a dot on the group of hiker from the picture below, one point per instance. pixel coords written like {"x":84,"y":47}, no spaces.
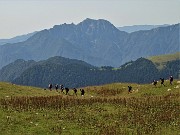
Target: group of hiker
{"x":62,"y":88}
{"x":155,"y":83}
{"x":162,"y":81}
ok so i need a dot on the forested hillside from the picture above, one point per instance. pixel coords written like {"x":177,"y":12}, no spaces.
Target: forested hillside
{"x":75,"y":73}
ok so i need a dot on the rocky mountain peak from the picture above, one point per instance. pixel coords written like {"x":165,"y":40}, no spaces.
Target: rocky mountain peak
{"x":91,"y":26}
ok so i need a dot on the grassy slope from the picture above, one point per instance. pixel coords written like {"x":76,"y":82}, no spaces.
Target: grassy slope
{"x":119,"y":90}
{"x":8,"y":90}
{"x":161,"y":60}
{"x":106,"y":109}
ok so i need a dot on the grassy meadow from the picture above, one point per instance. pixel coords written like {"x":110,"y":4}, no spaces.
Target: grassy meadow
{"x":161,"y":60}
{"x":103,"y":110}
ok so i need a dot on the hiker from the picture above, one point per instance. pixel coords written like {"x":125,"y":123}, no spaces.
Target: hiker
{"x":50,"y":87}
{"x":162,"y":81}
{"x":62,"y":88}
{"x":154,"y":83}
{"x":56,"y":87}
{"x":82,"y":92}
{"x":129,"y":89}
{"x":67,"y":90}
{"x":171,"y":79}
{"x":75,"y":91}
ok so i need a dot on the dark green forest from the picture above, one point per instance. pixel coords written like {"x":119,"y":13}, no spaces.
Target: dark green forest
{"x":74,"y":73}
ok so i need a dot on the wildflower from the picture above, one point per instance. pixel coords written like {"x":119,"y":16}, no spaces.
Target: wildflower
{"x":60,"y":120}
{"x":31,"y":122}
{"x":36,"y":124}
{"x":36,"y":113}
{"x":7,"y":96}
{"x":176,"y":87}
{"x":168,"y":89}
{"x":64,"y":128}
{"x":178,"y":81}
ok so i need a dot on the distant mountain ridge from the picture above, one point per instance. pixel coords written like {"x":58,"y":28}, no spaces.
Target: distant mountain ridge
{"x":128,"y":29}
{"x":97,"y":42}
{"x":17,"y":39}
{"x":135,"y":28}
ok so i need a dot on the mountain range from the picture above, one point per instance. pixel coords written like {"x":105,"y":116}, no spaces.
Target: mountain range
{"x":76,"y":73}
{"x":127,"y":29}
{"x":97,"y":42}
{"x":134,"y":28}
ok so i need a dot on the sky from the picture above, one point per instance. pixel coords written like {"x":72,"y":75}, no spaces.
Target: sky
{"x":19,"y":17}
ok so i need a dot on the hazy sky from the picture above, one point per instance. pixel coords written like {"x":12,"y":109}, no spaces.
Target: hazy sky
{"x":23,"y":16}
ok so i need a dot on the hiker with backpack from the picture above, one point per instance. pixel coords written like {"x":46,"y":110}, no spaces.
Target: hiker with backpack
{"x":82,"y":92}
{"x":154,"y":83}
{"x":171,"y":79}
{"x":56,"y":87}
{"x":162,"y":81}
{"x":129,"y":89}
{"x":62,"y":88}
{"x":67,"y":90}
{"x":50,"y":86}
{"x":75,"y":91}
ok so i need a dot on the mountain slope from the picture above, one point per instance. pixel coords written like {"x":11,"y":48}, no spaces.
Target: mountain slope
{"x":80,"y":41}
{"x":7,"y":90}
{"x":171,"y":68}
{"x":162,"y":40}
{"x":73,"y":73}
{"x":56,"y":70}
{"x":76,"y":73}
{"x":17,"y":39}
{"x":97,"y":42}
{"x":15,"y":69}
{"x":161,"y":60}
{"x":107,"y":109}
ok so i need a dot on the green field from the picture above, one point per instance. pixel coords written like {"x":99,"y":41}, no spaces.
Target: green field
{"x":161,"y":60}
{"x":104,"y":110}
